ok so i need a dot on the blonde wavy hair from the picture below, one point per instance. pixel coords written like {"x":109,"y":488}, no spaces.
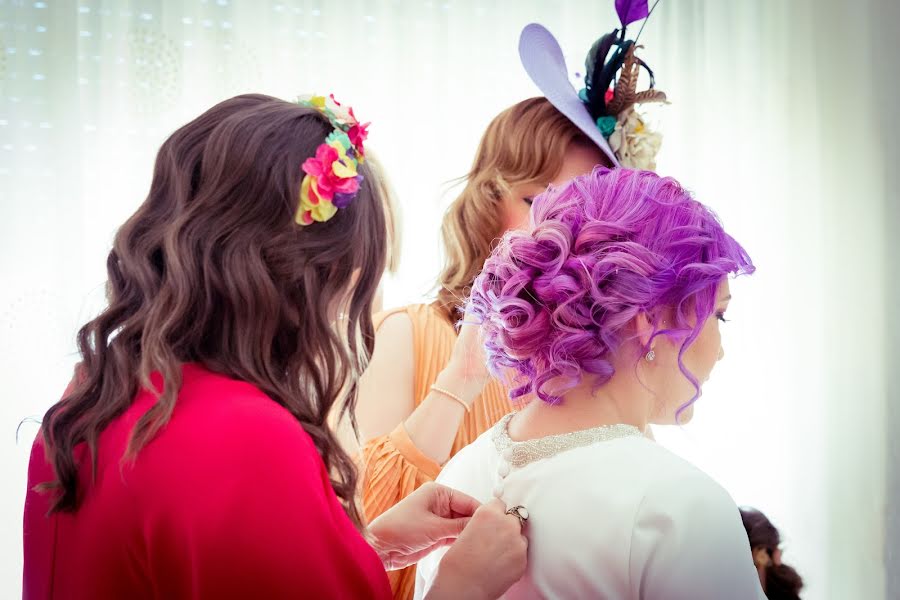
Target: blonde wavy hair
{"x":525,"y":144}
{"x":393,"y":215}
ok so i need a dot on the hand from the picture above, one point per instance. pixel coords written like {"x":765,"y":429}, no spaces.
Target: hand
{"x":468,"y":364}
{"x":489,"y":556}
{"x":431,"y":517}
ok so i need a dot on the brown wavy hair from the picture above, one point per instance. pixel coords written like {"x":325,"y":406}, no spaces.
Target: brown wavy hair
{"x":524,"y":144}
{"x":213,"y":269}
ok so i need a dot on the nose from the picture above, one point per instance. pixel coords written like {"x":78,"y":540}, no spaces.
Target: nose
{"x":721,"y":353}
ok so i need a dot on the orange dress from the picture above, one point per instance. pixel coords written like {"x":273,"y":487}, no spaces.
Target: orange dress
{"x":393,"y":466}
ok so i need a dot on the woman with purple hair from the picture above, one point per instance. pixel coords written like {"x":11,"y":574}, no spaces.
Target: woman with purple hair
{"x":604,"y":317}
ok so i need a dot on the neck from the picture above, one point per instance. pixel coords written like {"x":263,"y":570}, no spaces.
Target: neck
{"x":622,"y":399}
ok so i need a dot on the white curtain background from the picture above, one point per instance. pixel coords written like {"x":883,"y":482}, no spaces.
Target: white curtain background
{"x":777,"y":121}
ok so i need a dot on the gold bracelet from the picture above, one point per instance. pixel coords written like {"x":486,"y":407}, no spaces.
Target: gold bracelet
{"x":452,"y":396}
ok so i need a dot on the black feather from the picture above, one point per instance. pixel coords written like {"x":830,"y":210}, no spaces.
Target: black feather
{"x":593,"y":65}
{"x":596,"y":56}
{"x":600,"y":72}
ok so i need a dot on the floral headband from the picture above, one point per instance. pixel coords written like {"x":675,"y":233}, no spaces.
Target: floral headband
{"x":331,"y":180}
{"x":610,"y":91}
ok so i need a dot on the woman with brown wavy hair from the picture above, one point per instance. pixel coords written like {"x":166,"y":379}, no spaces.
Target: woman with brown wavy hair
{"x":427,"y":392}
{"x":191,"y":456}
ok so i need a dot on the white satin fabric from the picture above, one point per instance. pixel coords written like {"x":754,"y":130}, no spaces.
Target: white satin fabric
{"x":618,"y":519}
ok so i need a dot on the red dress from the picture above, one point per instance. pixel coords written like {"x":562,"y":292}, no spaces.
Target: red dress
{"x":229,"y":500}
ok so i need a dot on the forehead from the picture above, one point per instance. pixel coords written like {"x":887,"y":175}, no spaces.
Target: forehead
{"x":724,"y":292}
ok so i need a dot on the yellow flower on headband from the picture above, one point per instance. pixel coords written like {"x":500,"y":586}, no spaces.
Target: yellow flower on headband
{"x":312,"y":207}
{"x":344,"y":167}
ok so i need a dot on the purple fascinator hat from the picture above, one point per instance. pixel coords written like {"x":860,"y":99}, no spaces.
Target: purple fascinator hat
{"x":604,"y":110}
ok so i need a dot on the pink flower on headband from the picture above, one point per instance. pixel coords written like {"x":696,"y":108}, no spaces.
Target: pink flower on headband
{"x":324,"y":166}
{"x":358,"y":134}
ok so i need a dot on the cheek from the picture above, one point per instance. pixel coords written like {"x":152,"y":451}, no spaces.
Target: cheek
{"x":704,"y":353}
{"x":515,"y":214}
{"x":673,"y":388}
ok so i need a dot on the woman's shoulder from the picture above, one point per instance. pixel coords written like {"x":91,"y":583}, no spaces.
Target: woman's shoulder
{"x":420,"y":317}
{"x":674,"y":481}
{"x":681,"y":506}
{"x":231,"y":441}
{"x":237,"y":411}
{"x":687,"y":540}
{"x":417,"y":341}
{"x":657,"y":481}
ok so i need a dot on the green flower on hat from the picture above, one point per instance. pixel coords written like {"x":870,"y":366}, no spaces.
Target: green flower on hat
{"x":606,"y":125}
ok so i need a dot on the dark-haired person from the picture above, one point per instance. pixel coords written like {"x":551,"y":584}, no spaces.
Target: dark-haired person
{"x":191,"y":456}
{"x":779,"y":581}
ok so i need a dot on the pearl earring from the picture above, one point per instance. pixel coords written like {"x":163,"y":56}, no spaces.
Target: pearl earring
{"x":650,"y":356}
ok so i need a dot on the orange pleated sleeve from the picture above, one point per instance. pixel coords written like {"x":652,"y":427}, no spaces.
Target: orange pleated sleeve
{"x":393,"y":466}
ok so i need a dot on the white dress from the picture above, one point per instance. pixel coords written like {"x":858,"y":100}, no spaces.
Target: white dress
{"x":612,"y":515}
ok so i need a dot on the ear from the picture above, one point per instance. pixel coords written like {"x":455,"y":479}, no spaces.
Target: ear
{"x":643,"y":329}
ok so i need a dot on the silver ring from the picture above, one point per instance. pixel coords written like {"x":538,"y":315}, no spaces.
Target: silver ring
{"x":519,"y":512}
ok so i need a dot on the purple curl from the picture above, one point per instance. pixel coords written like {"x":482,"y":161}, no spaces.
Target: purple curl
{"x":556,"y":300}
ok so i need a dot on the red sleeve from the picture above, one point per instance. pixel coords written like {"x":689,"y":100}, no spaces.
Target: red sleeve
{"x":37,"y":530}
{"x":255,"y":517}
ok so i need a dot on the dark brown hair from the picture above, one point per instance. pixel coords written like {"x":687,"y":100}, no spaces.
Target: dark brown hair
{"x":212,"y":268}
{"x":781,"y":581}
{"x":524,"y":144}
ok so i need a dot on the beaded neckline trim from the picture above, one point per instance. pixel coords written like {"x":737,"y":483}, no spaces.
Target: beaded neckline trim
{"x":519,"y":454}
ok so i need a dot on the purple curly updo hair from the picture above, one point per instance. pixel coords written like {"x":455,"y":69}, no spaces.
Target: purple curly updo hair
{"x":556,"y":300}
